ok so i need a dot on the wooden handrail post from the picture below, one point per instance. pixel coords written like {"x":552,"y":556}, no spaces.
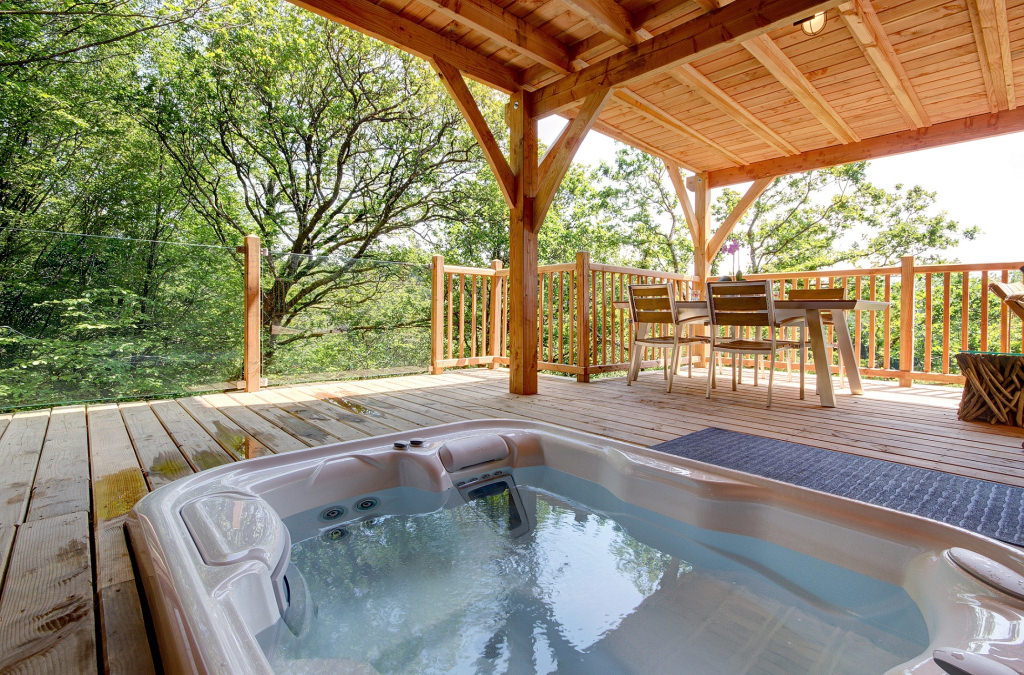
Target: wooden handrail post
{"x":497,"y":323}
{"x":436,"y":313}
{"x":251,"y":351}
{"x":583,"y":315}
{"x":906,"y":320}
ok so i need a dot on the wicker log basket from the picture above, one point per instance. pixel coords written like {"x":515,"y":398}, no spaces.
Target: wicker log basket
{"x":994,"y":391}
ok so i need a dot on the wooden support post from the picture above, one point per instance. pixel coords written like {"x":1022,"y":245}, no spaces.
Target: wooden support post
{"x":701,"y":262}
{"x":497,"y":323}
{"x":583,"y":315}
{"x":906,"y":320}
{"x":252,"y":354}
{"x":436,"y":313}
{"x":522,"y":251}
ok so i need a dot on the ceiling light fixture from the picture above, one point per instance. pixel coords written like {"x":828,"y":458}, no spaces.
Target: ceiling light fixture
{"x":812,"y":25}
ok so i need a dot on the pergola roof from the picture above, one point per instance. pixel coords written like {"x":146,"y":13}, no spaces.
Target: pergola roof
{"x":736,"y":91}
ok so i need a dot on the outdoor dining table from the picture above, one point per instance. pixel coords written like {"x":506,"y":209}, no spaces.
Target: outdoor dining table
{"x":811,"y":311}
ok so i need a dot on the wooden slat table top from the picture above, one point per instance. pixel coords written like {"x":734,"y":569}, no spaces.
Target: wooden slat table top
{"x":915,"y":426}
{"x":845,"y":305}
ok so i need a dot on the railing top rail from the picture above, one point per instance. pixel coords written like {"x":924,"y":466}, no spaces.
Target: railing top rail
{"x":478,"y":271}
{"x":970,"y":267}
{"x":822,"y":274}
{"x":599,"y":267}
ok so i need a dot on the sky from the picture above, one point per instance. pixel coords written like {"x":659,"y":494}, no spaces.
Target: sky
{"x":976,"y":183}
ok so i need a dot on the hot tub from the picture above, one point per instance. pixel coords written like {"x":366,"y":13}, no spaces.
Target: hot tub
{"x":515,"y":546}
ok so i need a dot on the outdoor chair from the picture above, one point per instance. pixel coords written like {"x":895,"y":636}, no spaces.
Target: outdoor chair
{"x":740,"y":304}
{"x":826,"y":320}
{"x":1012,"y":295}
{"x":653,"y":305}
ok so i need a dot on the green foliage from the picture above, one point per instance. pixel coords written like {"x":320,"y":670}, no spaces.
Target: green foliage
{"x":829,"y":217}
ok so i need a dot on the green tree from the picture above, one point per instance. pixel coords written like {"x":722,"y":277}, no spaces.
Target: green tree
{"x":835,"y":216}
{"x":319,"y":139}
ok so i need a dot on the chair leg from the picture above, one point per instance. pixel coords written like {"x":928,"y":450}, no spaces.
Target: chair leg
{"x":757,"y":363}
{"x":734,"y":356}
{"x":632,"y":373}
{"x":673,"y":356}
{"x":771,"y":374}
{"x":711,"y":373}
{"x":689,"y":359}
{"x":803,"y":362}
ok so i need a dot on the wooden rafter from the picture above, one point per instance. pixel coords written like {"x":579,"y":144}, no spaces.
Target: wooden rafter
{"x":706,"y":89}
{"x":863,"y":23}
{"x":683,"y":196}
{"x":395,"y":30}
{"x":943,"y":133}
{"x":463,"y":98}
{"x":607,"y":16}
{"x":692,"y":40}
{"x":559,"y":156}
{"x":742,"y":206}
{"x":652,"y":112}
{"x":601,"y":46}
{"x":785,"y":71}
{"x":506,"y":29}
{"x":992,"y":36}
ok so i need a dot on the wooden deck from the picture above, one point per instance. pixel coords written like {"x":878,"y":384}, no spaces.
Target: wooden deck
{"x":69,"y":475}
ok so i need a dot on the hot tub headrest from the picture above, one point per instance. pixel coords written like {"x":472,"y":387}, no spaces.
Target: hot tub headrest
{"x":459,"y":453}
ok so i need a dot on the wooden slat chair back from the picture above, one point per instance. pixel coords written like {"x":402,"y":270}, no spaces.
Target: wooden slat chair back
{"x":652,"y":305}
{"x":1012,"y":295}
{"x":741,"y":304}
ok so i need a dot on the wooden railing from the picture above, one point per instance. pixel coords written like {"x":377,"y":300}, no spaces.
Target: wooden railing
{"x":580,"y":332}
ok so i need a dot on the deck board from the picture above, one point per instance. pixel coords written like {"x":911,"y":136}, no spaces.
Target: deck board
{"x":52,"y":458}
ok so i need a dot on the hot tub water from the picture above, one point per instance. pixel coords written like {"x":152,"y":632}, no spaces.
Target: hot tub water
{"x":560,"y":574}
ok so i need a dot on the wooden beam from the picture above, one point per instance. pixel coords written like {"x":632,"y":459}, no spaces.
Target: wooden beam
{"x":688,"y":42}
{"x":522,"y":248}
{"x":683,"y":196}
{"x":463,"y":98}
{"x":709,"y":91}
{"x":991,"y":34}
{"x":607,"y":16}
{"x":389,"y":27}
{"x":944,"y":133}
{"x":785,"y":71}
{"x":559,"y":156}
{"x":506,"y":29}
{"x":867,"y":30}
{"x":253,"y":355}
{"x":702,"y":218}
{"x":652,"y":112}
{"x":742,"y":206}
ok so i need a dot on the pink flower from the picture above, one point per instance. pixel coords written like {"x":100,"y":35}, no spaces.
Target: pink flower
{"x":731,"y":246}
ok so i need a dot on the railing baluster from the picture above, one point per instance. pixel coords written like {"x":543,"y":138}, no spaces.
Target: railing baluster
{"x":462,"y":314}
{"x":451,"y":312}
{"x":1004,"y":323}
{"x":872,"y":325}
{"x":945,"y":322}
{"x":472,"y":317}
{"x":928,"y":322}
{"x":965,"y":312}
{"x":886,"y":361}
{"x":984,"y":311}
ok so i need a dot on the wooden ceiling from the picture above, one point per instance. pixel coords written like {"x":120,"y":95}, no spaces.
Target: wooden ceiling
{"x":734,"y":89}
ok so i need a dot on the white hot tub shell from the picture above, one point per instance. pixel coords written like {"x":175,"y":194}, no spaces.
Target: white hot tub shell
{"x":212,"y":549}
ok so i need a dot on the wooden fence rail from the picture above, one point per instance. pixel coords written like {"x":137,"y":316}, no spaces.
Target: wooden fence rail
{"x":580,"y":332}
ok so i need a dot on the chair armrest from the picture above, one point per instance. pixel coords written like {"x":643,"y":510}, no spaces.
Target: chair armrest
{"x":792,"y":320}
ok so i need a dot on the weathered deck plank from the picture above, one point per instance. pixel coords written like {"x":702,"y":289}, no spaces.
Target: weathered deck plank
{"x":199,"y":448}
{"x":62,"y":480}
{"x":46,"y":610}
{"x":20,"y":447}
{"x":161,"y":460}
{"x":233,"y":438}
{"x":118,"y":483}
{"x":267,"y":433}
